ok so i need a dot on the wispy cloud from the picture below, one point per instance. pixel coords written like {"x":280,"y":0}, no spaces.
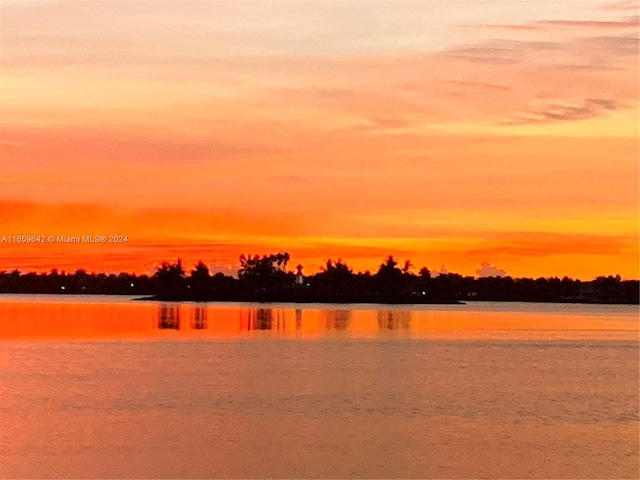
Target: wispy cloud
{"x":497,"y":55}
{"x":621,"y":6}
{"x":626,"y":23}
{"x":629,"y":22}
{"x":118,"y":146}
{"x":550,"y":244}
{"x":589,"y":108}
{"x":507,"y":27}
{"x":9,"y":143}
{"x":482,"y":85}
{"x":502,"y":51}
{"x":610,"y":45}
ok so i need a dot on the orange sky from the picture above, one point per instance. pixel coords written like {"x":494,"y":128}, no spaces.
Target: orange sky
{"x":453,"y":133}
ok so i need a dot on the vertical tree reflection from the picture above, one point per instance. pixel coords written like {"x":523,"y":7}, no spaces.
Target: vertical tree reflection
{"x":298,"y":319}
{"x":264,"y":319}
{"x":169,"y":317}
{"x":199,"y":318}
{"x":394,"y":319}
{"x":337,"y":319}
{"x":280,"y":322}
{"x":342,"y":319}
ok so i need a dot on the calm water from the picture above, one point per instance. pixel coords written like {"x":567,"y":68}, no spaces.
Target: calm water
{"x":108,"y":387}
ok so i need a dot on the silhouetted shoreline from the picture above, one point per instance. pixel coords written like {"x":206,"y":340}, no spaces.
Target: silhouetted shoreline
{"x":265,"y":279}
{"x":157,"y":298}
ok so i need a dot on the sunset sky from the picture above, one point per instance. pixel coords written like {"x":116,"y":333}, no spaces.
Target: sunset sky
{"x":452,"y":133}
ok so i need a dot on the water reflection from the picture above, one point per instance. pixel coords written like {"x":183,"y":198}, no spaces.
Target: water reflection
{"x":298,"y":319}
{"x":86,"y":318}
{"x":263,"y":319}
{"x":337,"y":319}
{"x":394,"y":320}
{"x":410,"y":409}
{"x":199,"y":318}
{"x":267,"y":319}
{"x":169,"y":317}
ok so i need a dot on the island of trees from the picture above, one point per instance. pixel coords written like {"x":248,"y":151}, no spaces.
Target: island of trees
{"x":266,"y":278}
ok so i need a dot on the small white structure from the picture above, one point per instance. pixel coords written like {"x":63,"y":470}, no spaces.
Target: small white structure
{"x":299,"y":276}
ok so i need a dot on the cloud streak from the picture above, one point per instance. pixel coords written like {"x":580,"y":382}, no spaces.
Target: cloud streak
{"x":626,"y":23}
{"x":589,"y":108}
{"x":621,"y":6}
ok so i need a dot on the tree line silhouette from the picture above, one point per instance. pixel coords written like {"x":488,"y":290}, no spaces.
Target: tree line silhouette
{"x":266,"y":279}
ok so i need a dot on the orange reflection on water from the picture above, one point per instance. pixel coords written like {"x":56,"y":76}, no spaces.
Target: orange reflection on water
{"x":51,"y":320}
{"x":109,"y":319}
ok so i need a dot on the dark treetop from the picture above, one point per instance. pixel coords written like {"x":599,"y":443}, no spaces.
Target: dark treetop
{"x":266,"y":279}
